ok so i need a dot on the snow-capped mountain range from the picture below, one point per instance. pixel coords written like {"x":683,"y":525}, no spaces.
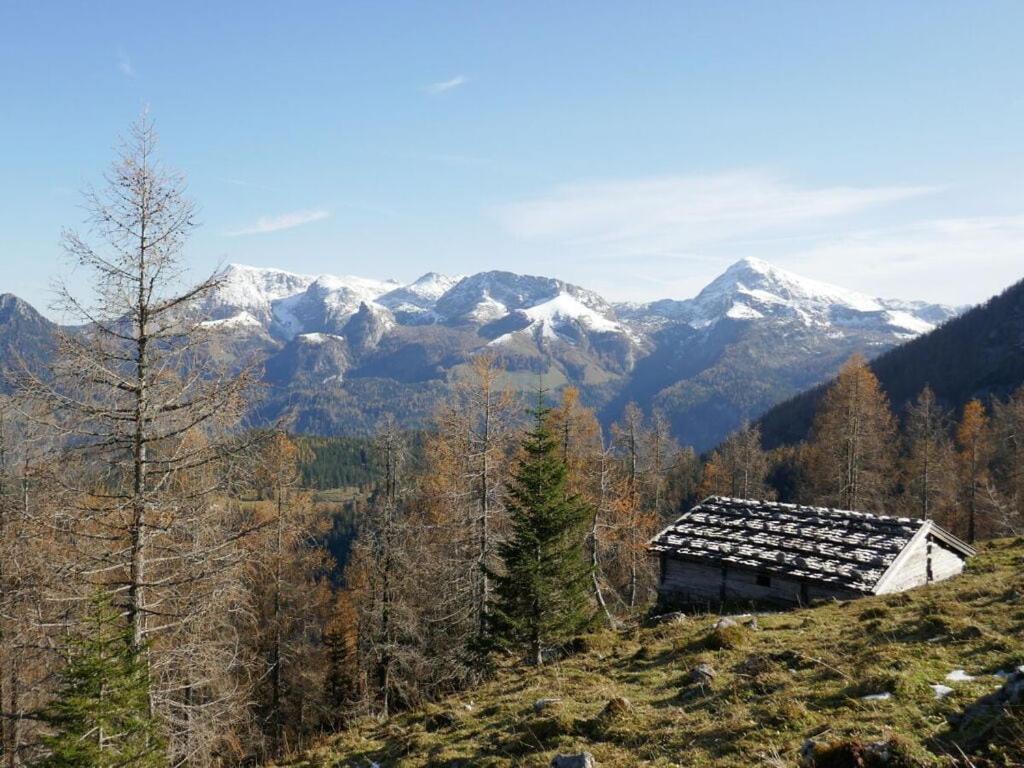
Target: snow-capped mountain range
{"x":339,"y":351}
{"x":286,"y":305}
{"x":752,"y":289}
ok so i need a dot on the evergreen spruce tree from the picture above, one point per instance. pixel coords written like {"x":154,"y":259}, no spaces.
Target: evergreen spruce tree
{"x":542,"y":597}
{"x":100,"y":716}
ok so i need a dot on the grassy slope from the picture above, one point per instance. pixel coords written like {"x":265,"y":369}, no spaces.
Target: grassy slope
{"x":800,"y":674}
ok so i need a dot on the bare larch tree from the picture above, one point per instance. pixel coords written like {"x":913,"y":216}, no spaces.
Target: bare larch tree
{"x":139,"y":406}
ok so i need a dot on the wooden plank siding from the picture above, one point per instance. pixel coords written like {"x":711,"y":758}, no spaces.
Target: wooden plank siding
{"x":690,"y":582}
{"x":926,"y":560}
{"x":945,"y":562}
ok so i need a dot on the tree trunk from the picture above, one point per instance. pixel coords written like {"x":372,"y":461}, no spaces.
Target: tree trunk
{"x":275,"y":695}
{"x":485,"y":513}
{"x":137,"y":577}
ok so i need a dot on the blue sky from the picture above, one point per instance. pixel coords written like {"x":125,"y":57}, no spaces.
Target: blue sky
{"x":634,"y":148}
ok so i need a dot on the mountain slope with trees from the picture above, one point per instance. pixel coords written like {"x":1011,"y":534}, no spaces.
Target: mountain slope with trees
{"x":979,"y":354}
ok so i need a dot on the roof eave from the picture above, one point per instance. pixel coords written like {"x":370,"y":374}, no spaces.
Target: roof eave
{"x":953,"y":542}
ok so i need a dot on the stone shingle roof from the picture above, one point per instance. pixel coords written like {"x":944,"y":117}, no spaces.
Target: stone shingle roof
{"x":846,"y":549}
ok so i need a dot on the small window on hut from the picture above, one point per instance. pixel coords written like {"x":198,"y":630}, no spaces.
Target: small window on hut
{"x":764,"y":580}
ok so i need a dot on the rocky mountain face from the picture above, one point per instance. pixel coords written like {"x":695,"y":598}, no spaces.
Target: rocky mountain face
{"x":27,"y":339}
{"x":753,"y":337}
{"x":339,"y":351}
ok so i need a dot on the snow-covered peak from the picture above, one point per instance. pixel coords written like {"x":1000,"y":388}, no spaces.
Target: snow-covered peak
{"x":326,"y":304}
{"x":752,"y":289}
{"x":566,"y":307}
{"x":266,"y":282}
{"x":242,"y":288}
{"x":488,"y":296}
{"x":757,"y":283}
{"x":364,"y":286}
{"x":419,"y":296}
{"x":433,"y":285}
{"x":548,"y":317}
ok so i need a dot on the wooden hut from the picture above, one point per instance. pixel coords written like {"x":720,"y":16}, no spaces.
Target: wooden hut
{"x":728,"y":549}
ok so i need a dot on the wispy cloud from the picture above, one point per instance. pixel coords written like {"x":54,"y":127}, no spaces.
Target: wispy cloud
{"x":678,"y":213}
{"x":291,"y":220}
{"x":953,"y":259}
{"x":249,"y":184}
{"x":124,"y":63}
{"x":446,"y":85}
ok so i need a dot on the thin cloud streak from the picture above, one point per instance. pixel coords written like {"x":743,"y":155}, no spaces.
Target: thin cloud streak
{"x":446,"y":85}
{"x":291,"y":220}
{"x":124,"y":63}
{"x":937,"y":259}
{"x":678,"y":213}
{"x":248,"y":184}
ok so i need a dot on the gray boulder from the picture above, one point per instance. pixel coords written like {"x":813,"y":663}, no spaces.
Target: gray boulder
{"x":541,"y":704}
{"x":675,"y":617}
{"x":582,"y":760}
{"x":702,"y":675}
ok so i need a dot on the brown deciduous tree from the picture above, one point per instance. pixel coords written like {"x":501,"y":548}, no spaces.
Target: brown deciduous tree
{"x":852,"y":451}
{"x":929,"y":487}
{"x":974,"y":452}
{"x":644,"y":457}
{"x":468,"y":457}
{"x":289,"y":571}
{"x":1008,"y":428}
{"x":739,"y":467}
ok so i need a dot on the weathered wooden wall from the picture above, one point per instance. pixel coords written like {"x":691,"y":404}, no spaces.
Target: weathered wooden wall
{"x":945,"y":563}
{"x":685,"y":581}
{"x":912,"y":569}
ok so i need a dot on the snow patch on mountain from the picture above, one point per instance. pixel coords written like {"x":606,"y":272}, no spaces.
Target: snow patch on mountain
{"x":241,"y":320}
{"x":421,"y":295}
{"x":548,"y":316}
{"x":253,"y":290}
{"x":487,"y":309}
{"x":315,"y":338}
{"x":740,"y":311}
{"x":901,"y":319}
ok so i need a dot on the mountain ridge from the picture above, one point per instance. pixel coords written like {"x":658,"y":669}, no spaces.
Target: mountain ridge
{"x":754,"y":336}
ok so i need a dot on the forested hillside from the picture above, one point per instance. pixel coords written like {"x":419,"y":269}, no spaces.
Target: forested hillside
{"x":979,"y":354}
